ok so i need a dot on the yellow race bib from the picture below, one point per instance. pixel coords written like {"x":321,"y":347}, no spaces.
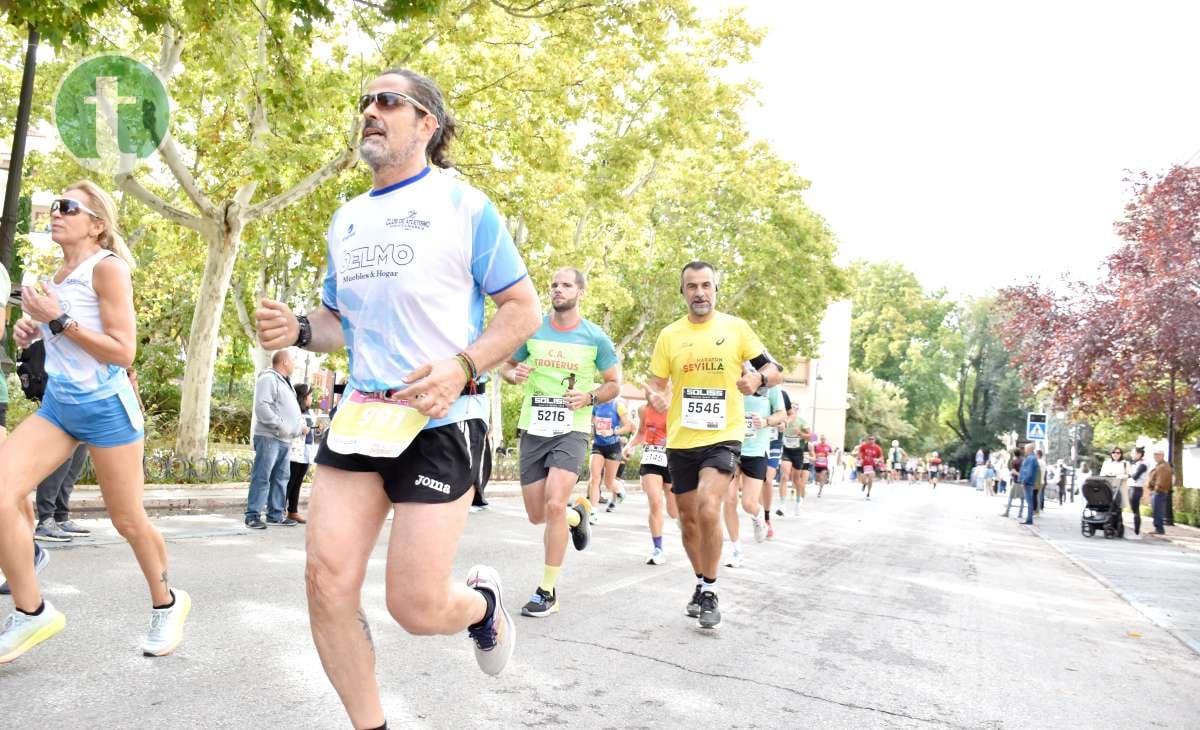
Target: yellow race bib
{"x":372,"y":425}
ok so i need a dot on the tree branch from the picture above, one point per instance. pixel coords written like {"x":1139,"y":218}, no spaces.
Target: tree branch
{"x":243,"y":315}
{"x":344,"y":161}
{"x":636,"y":332}
{"x":521,"y":12}
{"x":126,"y":183}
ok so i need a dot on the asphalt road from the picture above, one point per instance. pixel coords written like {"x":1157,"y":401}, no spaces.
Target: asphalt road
{"x":915,"y":609}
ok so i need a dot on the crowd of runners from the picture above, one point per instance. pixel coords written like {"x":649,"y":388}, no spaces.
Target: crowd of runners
{"x":405,"y":296}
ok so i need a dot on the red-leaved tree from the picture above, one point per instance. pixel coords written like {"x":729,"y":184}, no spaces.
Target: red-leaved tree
{"x":1128,"y":347}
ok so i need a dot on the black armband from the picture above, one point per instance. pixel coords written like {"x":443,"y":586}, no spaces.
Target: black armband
{"x":763,"y":360}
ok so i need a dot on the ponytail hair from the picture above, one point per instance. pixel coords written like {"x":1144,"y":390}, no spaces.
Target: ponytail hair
{"x":426,"y":91}
{"x":106,"y":210}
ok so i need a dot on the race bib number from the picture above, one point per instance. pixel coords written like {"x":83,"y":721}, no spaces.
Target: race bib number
{"x":654,"y":455}
{"x":868,"y":469}
{"x":603,"y":426}
{"x":791,"y":442}
{"x":549,"y":416}
{"x":751,"y":431}
{"x":374,"y":426}
{"x":774,"y":433}
{"x":703,"y":409}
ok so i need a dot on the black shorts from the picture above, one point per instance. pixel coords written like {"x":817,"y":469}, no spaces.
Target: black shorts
{"x":610,"y":452}
{"x":819,"y":469}
{"x":685,"y":464}
{"x":439,"y":466}
{"x":754,"y":467}
{"x":655,"y":470}
{"x":795,"y":456}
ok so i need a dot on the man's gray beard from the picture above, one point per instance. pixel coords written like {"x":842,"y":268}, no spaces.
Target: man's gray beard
{"x":378,"y":156}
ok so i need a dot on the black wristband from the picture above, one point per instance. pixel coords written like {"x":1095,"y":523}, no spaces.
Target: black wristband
{"x":305,"y":335}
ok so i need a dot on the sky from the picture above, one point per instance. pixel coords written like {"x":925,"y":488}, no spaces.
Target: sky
{"x":980,"y":144}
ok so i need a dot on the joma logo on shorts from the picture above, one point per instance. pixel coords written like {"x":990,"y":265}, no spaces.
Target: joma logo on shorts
{"x":424,"y":481}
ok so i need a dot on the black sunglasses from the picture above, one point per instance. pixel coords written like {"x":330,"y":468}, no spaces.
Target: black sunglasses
{"x":66,"y":206}
{"x":389,"y":100}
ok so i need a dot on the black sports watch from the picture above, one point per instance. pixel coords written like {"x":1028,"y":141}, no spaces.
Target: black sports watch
{"x":58,"y":324}
{"x":305,"y":335}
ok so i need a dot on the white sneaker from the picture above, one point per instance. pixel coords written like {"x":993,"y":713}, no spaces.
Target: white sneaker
{"x":657,"y":557}
{"x":735,"y":559}
{"x":166,"y":625}
{"x":760,"y":529}
{"x":495,"y":641}
{"x":593,"y":518}
{"x":796,"y":508}
{"x":23,"y":632}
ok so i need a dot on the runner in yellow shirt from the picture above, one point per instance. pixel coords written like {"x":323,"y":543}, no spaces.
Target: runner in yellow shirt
{"x":699,"y":358}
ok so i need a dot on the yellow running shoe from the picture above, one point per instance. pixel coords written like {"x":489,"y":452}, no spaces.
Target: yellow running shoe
{"x":22,"y":632}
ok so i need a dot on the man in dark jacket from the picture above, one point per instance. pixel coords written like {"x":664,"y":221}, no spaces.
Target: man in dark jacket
{"x":1028,"y":479}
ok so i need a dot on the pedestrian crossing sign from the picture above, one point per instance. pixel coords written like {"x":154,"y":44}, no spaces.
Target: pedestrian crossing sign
{"x":1035,"y":427}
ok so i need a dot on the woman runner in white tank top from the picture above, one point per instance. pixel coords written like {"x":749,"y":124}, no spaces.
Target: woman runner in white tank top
{"x":85,"y":315}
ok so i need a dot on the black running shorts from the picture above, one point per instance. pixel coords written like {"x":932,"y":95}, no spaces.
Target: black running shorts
{"x":610,"y":452}
{"x":754,"y":467}
{"x":655,"y":470}
{"x":685,"y":464}
{"x":439,"y":466}
{"x":795,"y":456}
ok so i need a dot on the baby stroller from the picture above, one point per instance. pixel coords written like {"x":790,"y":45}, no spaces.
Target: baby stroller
{"x":1101,"y":509}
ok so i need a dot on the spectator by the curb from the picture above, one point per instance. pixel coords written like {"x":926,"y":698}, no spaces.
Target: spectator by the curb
{"x":277,"y":421}
{"x":1160,"y":489}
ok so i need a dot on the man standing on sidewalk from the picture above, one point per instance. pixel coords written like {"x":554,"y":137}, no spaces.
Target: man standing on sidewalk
{"x":1160,"y":490}
{"x":54,"y":501}
{"x":1028,"y":479}
{"x":277,"y":421}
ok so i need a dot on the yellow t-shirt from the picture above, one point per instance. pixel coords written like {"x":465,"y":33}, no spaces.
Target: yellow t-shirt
{"x":704,"y":363}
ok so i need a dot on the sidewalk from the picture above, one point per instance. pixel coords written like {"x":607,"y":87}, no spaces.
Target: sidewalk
{"x":231,"y":496}
{"x":1159,"y":577}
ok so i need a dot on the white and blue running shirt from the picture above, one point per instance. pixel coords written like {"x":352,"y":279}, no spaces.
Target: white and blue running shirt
{"x":409,"y":266}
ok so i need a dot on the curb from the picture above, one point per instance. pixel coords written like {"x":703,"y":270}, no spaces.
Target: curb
{"x":1137,"y":606}
{"x":233,"y":498}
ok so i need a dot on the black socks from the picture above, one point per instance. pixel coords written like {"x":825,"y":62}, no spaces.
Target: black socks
{"x":41,"y":607}
{"x":167,"y":605}
{"x":491,"y":609}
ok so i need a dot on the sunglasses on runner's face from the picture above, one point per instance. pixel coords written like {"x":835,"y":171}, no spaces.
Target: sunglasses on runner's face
{"x":388,"y":100}
{"x":66,"y":206}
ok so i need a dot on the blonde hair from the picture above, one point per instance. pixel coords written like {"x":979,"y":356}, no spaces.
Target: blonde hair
{"x":106,"y":211}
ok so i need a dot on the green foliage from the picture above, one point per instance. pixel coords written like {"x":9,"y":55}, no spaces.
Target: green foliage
{"x":876,"y":408}
{"x":989,"y":400}
{"x":599,"y":129}
{"x":899,"y":334}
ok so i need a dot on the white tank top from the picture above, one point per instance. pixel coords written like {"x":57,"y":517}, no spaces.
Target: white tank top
{"x":74,"y":376}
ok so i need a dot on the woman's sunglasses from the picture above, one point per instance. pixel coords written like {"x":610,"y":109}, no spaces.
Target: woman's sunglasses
{"x":66,"y":206}
{"x":388,"y":100}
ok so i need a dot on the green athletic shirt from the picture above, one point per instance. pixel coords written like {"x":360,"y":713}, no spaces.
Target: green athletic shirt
{"x":760,"y":442}
{"x":553,"y":355}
